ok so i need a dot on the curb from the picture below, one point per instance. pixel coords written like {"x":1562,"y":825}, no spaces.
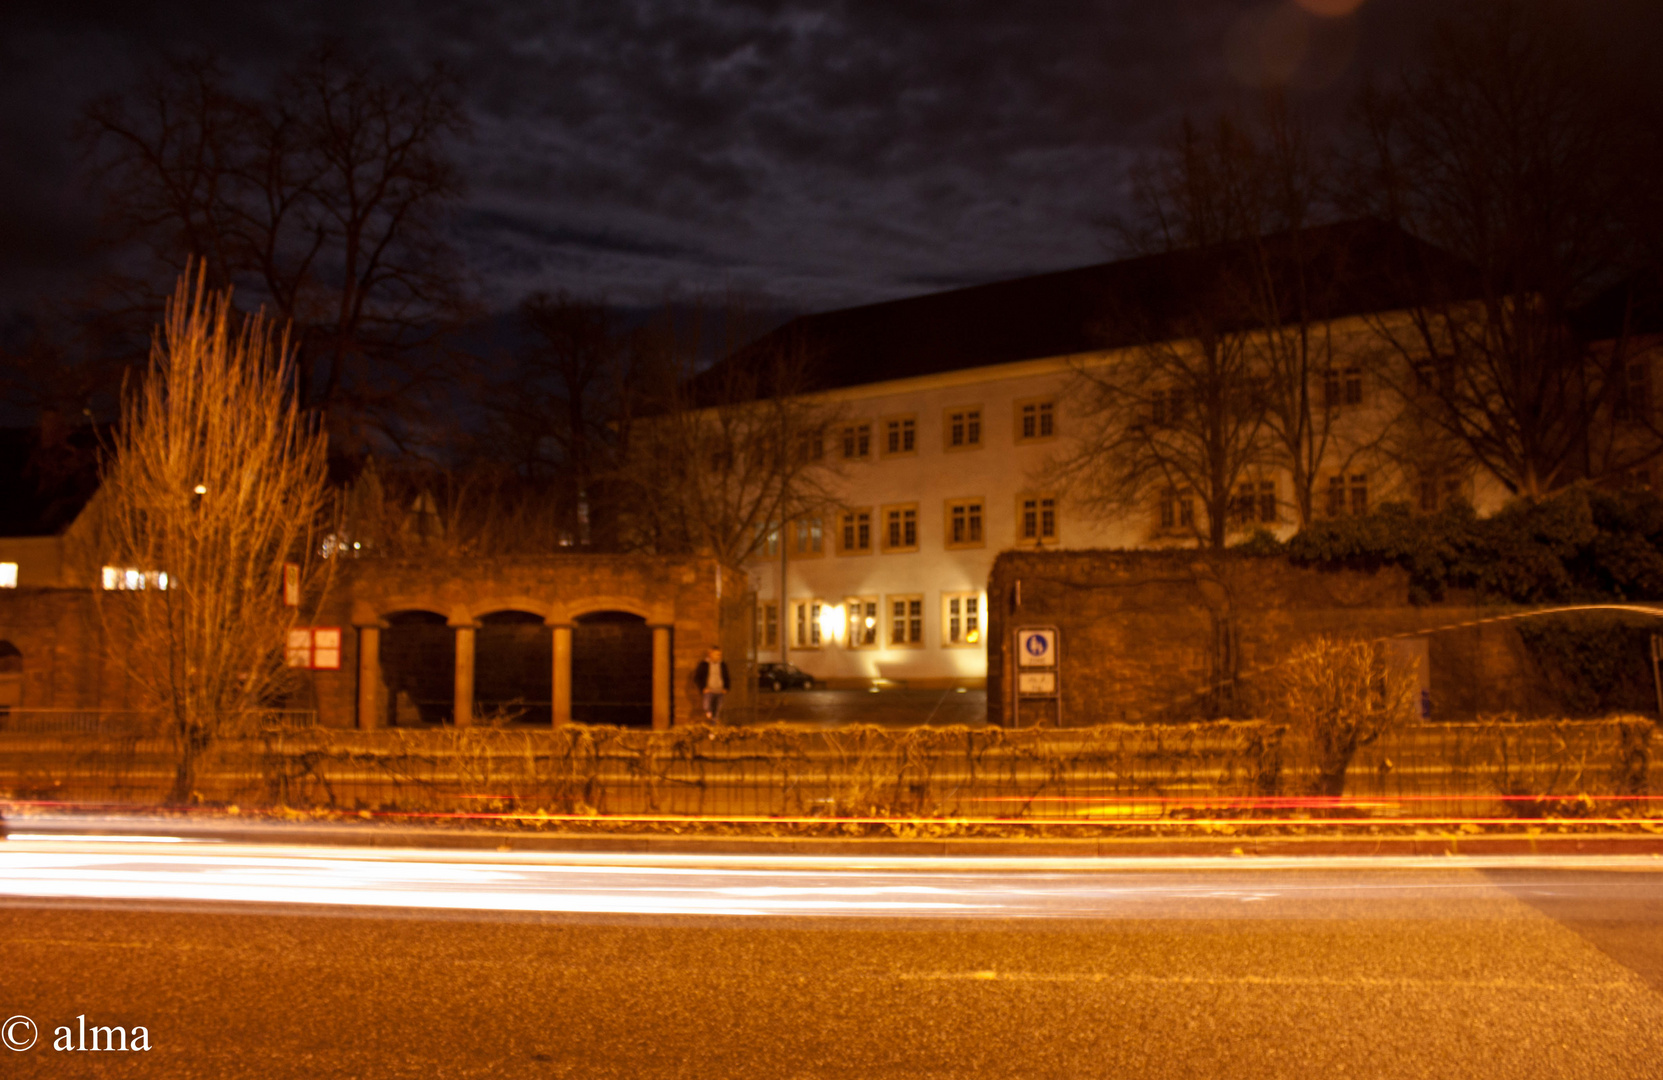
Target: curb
{"x":381,"y":836}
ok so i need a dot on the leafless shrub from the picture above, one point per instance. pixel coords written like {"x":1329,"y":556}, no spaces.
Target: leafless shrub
{"x":1340,"y":695}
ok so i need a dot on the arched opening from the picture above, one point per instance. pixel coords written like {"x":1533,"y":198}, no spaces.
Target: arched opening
{"x":418,"y":668}
{"x":11,"y":677}
{"x":612,"y":669}
{"x":514,"y":667}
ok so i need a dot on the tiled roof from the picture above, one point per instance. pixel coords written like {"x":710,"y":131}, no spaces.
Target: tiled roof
{"x":1351,"y":267}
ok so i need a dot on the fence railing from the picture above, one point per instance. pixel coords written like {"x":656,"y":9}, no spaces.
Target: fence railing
{"x":1104,"y":774}
{"x":125,"y":722}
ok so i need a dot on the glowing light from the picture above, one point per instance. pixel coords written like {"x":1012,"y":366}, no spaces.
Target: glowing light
{"x":834,"y":620}
{"x":202,"y":489}
{"x":8,"y":575}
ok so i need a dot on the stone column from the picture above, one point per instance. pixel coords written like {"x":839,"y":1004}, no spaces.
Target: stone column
{"x":562,"y":710}
{"x":371,"y":695}
{"x":661,"y":685}
{"x":462,"y":712}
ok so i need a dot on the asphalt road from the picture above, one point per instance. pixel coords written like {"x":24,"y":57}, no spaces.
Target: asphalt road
{"x":306,"y":962}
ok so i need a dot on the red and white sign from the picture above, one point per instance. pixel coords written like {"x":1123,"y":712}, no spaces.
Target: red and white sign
{"x":291,"y":584}
{"x":315,"y":647}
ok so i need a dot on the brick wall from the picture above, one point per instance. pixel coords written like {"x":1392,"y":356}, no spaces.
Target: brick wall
{"x":1169,"y":635}
{"x":61,"y":637}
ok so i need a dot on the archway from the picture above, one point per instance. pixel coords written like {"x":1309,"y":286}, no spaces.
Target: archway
{"x":11,"y":677}
{"x":418,"y":668}
{"x":612,"y":669}
{"x":513,"y":667}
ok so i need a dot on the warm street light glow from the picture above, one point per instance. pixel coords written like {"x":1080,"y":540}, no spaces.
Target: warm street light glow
{"x":202,"y":489}
{"x":834,"y":620}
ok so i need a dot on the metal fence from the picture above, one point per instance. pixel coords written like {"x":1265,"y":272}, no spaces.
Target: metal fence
{"x":1104,"y":774}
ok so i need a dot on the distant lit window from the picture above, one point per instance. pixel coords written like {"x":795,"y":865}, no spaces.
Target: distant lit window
{"x":961,"y":616}
{"x":1036,"y":519}
{"x":8,"y":575}
{"x":906,"y":620}
{"x":863,"y":621}
{"x":1177,"y":511}
{"x":807,"y":623}
{"x":857,"y":532}
{"x":768,"y":625}
{"x":809,"y":534}
{"x":964,"y":428}
{"x":900,"y":435}
{"x":900,"y":528}
{"x":1035,"y":420}
{"x":131,"y":578}
{"x":964,"y":523}
{"x":857,"y":441}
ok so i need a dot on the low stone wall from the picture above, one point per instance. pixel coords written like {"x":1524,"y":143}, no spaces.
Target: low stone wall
{"x":1154,"y":636}
{"x":1108,"y":773}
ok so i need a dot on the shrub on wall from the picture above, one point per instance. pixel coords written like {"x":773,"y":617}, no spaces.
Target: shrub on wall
{"x":1340,"y":695}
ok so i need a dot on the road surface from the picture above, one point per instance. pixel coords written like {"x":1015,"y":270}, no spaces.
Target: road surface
{"x":275,"y":962}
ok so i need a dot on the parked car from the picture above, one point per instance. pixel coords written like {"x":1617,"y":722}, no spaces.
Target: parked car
{"x":783,"y":677}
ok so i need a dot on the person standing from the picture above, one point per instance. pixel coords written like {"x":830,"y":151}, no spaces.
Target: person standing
{"x":711,"y":677}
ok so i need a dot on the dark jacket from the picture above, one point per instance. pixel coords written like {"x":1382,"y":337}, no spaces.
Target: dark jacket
{"x":702,"y":672}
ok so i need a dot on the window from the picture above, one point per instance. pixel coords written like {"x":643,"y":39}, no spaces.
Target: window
{"x":964,"y":523}
{"x":768,"y":625}
{"x":8,"y":575}
{"x":811,"y":446}
{"x":768,"y":539}
{"x":900,"y":435}
{"x":1436,"y":490}
{"x":964,"y":428}
{"x":1633,"y":391}
{"x":900,"y":527}
{"x":806,"y":624}
{"x":810,"y":539}
{"x":906,"y":621}
{"x":863,"y":621}
{"x":961,"y":618}
{"x":1254,"y":503}
{"x":1166,"y":408}
{"x":1036,"y":519}
{"x":856,"y":532}
{"x":1035,"y":420}
{"x":1352,"y":497}
{"x":857,"y":441}
{"x":128,"y":577}
{"x":1342,"y":386}
{"x":1177,"y":512}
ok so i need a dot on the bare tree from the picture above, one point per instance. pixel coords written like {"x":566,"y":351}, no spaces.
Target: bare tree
{"x":1509,"y":148}
{"x":321,"y":201}
{"x":215,"y":480}
{"x":718,"y":459}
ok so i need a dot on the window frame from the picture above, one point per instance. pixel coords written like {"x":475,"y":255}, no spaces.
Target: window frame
{"x":965,"y":411}
{"x":797,"y":535}
{"x":898,"y":421}
{"x":948,"y":506}
{"x":915,"y":609}
{"x":974,"y":596}
{"x":850,"y":606}
{"x":768,"y":618}
{"x":850,"y":517}
{"x":811,"y":606}
{"x":1041,"y":540}
{"x":883,"y":534}
{"x":1043,"y":406}
{"x":850,"y":437}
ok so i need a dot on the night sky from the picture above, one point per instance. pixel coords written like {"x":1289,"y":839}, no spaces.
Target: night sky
{"x":820,"y":155}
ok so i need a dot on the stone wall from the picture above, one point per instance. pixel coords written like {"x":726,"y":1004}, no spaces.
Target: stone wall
{"x":1179,"y":635}
{"x":61,"y":637}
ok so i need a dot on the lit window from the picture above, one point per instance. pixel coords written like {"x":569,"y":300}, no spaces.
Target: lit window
{"x":8,"y":575}
{"x":768,"y":539}
{"x":1255,"y":502}
{"x":863,"y":621}
{"x":962,"y":616}
{"x":131,"y":578}
{"x":906,"y":620}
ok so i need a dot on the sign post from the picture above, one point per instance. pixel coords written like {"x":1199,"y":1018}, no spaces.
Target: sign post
{"x":1038,"y":675}
{"x":291,"y":584}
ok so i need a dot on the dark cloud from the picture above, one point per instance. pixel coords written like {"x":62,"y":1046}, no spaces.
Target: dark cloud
{"x":822,"y":154}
